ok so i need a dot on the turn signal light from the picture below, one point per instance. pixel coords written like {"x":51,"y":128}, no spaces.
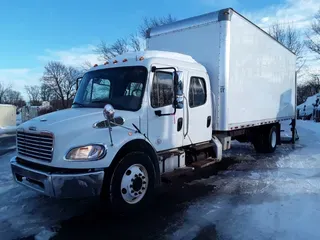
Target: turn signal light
{"x":141,"y":58}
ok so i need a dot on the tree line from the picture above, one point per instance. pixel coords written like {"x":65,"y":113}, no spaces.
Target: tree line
{"x":10,"y":96}
{"x":292,"y":38}
{"x":58,"y":83}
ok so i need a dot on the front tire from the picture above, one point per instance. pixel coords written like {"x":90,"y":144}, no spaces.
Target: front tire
{"x":131,"y":184}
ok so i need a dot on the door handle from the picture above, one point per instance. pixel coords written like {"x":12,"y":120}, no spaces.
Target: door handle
{"x":180,"y":123}
{"x":208,"y":121}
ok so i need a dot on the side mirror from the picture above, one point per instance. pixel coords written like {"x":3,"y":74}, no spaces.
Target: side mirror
{"x":178,"y":82}
{"x":77,"y":83}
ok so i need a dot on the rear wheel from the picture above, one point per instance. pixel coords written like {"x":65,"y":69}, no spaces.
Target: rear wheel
{"x":266,"y":140}
{"x":131,"y":184}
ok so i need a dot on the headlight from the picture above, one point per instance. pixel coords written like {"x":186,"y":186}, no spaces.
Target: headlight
{"x":90,"y":153}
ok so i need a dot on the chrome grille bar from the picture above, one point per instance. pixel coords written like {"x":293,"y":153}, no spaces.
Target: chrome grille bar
{"x":35,"y":145}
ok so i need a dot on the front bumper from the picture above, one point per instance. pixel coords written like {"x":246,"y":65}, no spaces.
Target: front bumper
{"x":77,"y":185}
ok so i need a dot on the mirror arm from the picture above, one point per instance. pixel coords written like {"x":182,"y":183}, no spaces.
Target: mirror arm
{"x":77,"y":82}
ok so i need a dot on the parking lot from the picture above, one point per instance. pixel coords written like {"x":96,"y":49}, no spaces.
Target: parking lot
{"x":246,"y":196}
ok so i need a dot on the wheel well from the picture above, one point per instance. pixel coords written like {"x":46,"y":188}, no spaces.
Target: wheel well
{"x":138,"y":145}
{"x":255,"y":131}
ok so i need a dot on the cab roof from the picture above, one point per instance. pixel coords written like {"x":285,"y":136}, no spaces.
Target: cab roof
{"x":132,"y":58}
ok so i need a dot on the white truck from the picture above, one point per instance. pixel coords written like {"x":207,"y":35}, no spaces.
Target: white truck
{"x":201,"y":83}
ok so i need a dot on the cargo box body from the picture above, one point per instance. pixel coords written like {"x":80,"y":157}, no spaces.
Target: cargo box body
{"x":252,"y":75}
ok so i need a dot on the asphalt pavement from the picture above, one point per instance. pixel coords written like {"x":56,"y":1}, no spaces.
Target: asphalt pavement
{"x":246,"y":196}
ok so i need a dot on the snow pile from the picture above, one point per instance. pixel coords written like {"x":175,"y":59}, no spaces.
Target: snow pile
{"x":8,"y":130}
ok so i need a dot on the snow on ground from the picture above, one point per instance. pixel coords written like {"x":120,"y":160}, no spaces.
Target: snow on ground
{"x":24,"y":212}
{"x":262,"y":196}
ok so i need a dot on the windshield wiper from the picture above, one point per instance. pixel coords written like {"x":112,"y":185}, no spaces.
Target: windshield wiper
{"x":79,"y":104}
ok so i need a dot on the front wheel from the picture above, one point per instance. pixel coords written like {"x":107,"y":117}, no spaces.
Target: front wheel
{"x":131,"y":184}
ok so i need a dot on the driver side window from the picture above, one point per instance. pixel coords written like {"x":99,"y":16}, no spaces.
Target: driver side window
{"x":162,"y":92}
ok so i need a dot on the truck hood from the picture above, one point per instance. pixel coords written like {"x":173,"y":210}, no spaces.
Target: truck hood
{"x":75,"y":127}
{"x":72,"y":118}
{"x":67,"y":115}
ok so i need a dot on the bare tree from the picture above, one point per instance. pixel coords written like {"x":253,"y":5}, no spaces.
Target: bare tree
{"x":61,"y":80}
{"x":46,"y":92}
{"x":106,"y":51}
{"x":85,"y":66}
{"x":314,"y":83}
{"x":34,"y":94}
{"x":313,"y":36}
{"x":14,"y":98}
{"x":154,"y":22}
{"x":134,"y":42}
{"x":69,"y":85}
{"x":291,"y":38}
{"x":53,"y":76}
{"x":3,"y":90}
{"x":309,"y":88}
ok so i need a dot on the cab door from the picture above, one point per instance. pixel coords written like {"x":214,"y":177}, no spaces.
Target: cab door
{"x":197,"y":109}
{"x":165,"y":124}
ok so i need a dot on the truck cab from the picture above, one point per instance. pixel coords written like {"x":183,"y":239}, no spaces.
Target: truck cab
{"x":128,"y":123}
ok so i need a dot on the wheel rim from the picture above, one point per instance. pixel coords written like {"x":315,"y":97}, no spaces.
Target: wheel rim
{"x":134,"y":183}
{"x":273,"y":139}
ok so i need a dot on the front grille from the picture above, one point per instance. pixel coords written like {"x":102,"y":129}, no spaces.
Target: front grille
{"x":37,"y":146}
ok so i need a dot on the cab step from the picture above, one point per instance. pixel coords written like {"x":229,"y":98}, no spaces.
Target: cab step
{"x":204,"y":163}
{"x":176,"y":173}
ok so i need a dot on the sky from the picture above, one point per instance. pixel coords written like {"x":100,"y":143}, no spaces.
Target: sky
{"x":34,"y":32}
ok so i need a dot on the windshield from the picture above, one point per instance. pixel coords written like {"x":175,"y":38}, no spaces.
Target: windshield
{"x":122,"y":87}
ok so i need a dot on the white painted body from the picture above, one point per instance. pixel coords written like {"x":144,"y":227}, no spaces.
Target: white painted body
{"x":252,"y":75}
{"x":7,"y":115}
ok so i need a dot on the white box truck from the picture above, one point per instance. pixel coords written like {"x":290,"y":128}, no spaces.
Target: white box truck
{"x":202,"y":83}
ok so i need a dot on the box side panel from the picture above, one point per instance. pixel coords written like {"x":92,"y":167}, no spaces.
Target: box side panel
{"x":202,"y":43}
{"x":261,"y":84}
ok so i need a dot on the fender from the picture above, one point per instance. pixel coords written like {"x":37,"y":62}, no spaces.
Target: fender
{"x":139,"y":145}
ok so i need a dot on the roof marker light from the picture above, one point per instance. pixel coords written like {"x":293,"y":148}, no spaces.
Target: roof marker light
{"x":96,"y":65}
{"x":106,"y":63}
{"x":115,"y":61}
{"x":125,"y":60}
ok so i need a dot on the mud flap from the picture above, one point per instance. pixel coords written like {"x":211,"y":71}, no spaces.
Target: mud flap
{"x":278,"y":134}
{"x":217,"y":148}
